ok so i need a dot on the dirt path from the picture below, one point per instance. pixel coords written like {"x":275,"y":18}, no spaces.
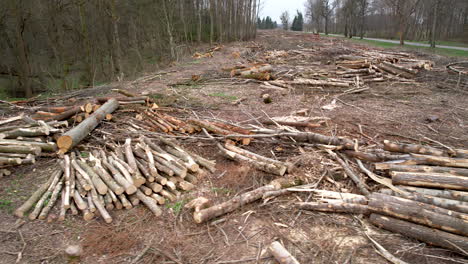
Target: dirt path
{"x":431,"y":108}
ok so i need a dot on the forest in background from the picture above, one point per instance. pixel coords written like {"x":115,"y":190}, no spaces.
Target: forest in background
{"x":68,"y":44}
{"x":420,"y":20}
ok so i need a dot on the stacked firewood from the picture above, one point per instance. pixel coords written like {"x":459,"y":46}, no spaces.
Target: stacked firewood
{"x":147,"y":171}
{"x":23,"y":141}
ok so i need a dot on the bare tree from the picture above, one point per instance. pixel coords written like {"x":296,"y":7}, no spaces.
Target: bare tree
{"x":285,"y":20}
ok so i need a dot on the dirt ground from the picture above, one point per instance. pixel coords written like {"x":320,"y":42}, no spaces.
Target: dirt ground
{"x":432,"y":108}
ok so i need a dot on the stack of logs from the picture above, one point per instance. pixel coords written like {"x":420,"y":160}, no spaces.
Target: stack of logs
{"x":154,"y":120}
{"x":426,"y":198}
{"x":146,"y":171}
{"x":79,"y":113}
{"x":26,"y":139}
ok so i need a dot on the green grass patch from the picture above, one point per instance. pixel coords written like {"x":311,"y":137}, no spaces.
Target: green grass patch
{"x":223,"y":95}
{"x":220,"y":190}
{"x":177,"y":206}
{"x":438,"y":51}
{"x":6,"y":205}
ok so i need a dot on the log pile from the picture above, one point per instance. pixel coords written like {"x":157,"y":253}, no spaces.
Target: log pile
{"x":147,"y":171}
{"x":23,"y":139}
{"x":425,"y":198}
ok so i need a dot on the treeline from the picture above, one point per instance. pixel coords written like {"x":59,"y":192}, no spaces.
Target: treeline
{"x":398,"y":19}
{"x":266,"y":23}
{"x":85,"y":42}
{"x":297,"y":23}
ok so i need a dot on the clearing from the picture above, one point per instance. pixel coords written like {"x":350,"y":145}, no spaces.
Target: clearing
{"x":431,"y":107}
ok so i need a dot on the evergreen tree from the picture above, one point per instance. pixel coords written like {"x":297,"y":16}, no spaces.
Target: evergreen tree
{"x":298,"y":22}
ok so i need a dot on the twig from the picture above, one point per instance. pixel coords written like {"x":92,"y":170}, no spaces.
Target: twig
{"x":142,"y":253}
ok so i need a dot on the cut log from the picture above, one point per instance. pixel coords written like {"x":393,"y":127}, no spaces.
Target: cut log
{"x":91,"y":206}
{"x":81,"y":176}
{"x":395,"y":71}
{"x":115,"y":162}
{"x":37,"y":209}
{"x":147,"y":190}
{"x":10,"y":161}
{"x":461,"y":153}
{"x":281,"y":254}
{"x":189,"y":163}
{"x":26,"y":206}
{"x":449,"y":204}
{"x":280,"y":165}
{"x":420,"y":168}
{"x":53,"y":199}
{"x":125,"y":202}
{"x":121,"y":180}
{"x":236,"y":202}
{"x":438,"y":161}
{"x":413,"y":148}
{"x":129,"y":154}
{"x":449,"y":194}
{"x":124,"y":92}
{"x":101,"y":207}
{"x":158,"y":198}
{"x":107,"y":178}
{"x":356,"y":179}
{"x":168,"y":195}
{"x":80,"y":203}
{"x":401,"y":68}
{"x":66,"y":174}
{"x":65,"y":115}
{"x":434,"y":180}
{"x":78,"y":133}
{"x":26,"y":132}
{"x":45,"y":146}
{"x":335,"y":207}
{"x":149,"y":202}
{"x":21,"y":149}
{"x":260,"y":165}
{"x":104,"y":100}
{"x":416,"y":212}
{"x":374,"y":157}
{"x":431,"y":236}
{"x":100,"y":186}
{"x":311,"y":137}
{"x":311,"y":82}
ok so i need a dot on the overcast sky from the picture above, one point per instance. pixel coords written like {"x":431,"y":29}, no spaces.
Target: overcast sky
{"x":274,"y":8}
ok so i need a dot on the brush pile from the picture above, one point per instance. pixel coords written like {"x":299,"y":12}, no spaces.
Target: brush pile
{"x":90,"y":183}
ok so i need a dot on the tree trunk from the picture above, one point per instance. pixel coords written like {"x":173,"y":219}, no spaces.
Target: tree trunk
{"x":78,"y":133}
{"x":22,"y":51}
{"x":429,"y":235}
{"x":236,"y":202}
{"x":281,"y":254}
{"x":339,"y":207}
{"x":434,"y":24}
{"x":416,"y":212}
{"x":432,"y":180}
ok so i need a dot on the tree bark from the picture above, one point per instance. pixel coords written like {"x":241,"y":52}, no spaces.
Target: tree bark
{"x":448,"y":204}
{"x":418,"y":213}
{"x":235,"y":203}
{"x":281,"y":254}
{"x":338,"y":207}
{"x":26,"y":206}
{"x":434,"y":180}
{"x":413,"y":148}
{"x":431,"y":236}
{"x":426,"y":169}
{"x":78,"y":133}
{"x":448,"y":194}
